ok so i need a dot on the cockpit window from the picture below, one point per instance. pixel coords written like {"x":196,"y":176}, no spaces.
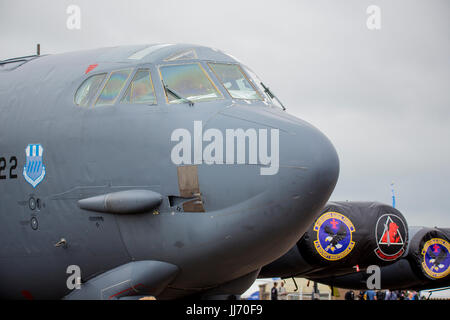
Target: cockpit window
{"x":88,"y":89}
{"x":256,"y":81}
{"x":140,"y":89}
{"x":235,"y":81}
{"x":188,"y":81}
{"x":269,"y":96}
{"x":112,"y":88}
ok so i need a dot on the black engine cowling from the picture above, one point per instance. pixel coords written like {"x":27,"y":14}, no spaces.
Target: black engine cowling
{"x":346,"y":236}
{"x":426,"y":265}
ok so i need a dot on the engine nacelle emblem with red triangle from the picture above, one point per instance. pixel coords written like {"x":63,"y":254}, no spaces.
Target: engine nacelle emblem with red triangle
{"x":391,"y":235}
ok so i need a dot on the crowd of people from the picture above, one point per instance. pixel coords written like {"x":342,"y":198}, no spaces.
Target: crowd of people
{"x":280,"y":293}
{"x":382,"y":295}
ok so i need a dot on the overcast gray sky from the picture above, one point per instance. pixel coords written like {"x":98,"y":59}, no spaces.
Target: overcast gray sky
{"x":381,"y":96}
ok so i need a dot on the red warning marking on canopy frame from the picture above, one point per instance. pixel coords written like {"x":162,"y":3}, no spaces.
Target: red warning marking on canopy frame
{"x":90,"y":68}
{"x":391,"y":235}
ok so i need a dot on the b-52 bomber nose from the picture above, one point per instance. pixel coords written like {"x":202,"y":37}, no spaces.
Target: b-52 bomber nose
{"x":308,"y":172}
{"x":169,"y":171}
{"x":294,"y":171}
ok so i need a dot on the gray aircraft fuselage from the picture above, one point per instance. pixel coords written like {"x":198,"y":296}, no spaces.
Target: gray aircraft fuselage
{"x":248,"y":219}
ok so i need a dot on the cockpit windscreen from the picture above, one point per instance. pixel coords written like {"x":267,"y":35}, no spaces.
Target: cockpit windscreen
{"x":235,"y":81}
{"x":188,"y":81}
{"x":140,"y":89}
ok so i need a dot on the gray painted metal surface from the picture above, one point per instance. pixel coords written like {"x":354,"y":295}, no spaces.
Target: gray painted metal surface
{"x":135,"y":278}
{"x":123,"y":202}
{"x":248,"y":219}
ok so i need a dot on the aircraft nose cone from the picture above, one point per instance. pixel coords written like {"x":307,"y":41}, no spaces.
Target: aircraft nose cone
{"x":312,"y":154}
{"x":308,"y":173}
{"x":303,"y":167}
{"x":293,"y":195}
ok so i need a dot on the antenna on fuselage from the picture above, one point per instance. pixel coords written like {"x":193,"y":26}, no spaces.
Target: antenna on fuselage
{"x":38,"y":49}
{"x":393,"y":195}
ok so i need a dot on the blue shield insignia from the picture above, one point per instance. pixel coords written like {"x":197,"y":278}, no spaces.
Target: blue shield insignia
{"x":34,"y":170}
{"x":334,"y":236}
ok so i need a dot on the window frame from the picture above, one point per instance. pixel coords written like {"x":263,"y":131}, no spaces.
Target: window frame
{"x":120,"y":93}
{"x":243,"y":72}
{"x":222,"y":97}
{"x":128,"y":84}
{"x":95,"y":96}
{"x":259,"y":88}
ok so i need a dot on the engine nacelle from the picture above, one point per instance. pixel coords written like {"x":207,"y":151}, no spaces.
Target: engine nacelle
{"x":346,"y":236}
{"x":426,"y":265}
